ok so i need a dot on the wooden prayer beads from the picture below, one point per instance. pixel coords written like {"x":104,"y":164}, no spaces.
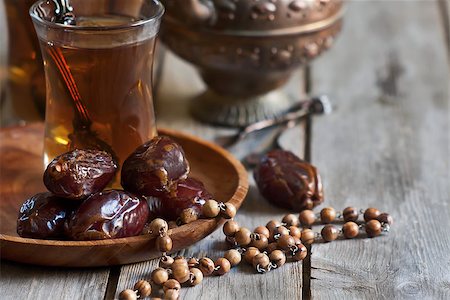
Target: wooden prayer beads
{"x":266,"y":248}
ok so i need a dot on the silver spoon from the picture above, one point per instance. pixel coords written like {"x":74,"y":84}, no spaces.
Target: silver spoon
{"x":315,"y":106}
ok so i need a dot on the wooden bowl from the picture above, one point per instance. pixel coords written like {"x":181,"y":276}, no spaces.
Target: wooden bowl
{"x":21,"y":172}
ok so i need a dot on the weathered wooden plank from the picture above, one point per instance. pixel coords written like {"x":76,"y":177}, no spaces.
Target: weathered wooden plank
{"x":387,"y":146}
{"x":179,"y":84}
{"x":36,"y":282}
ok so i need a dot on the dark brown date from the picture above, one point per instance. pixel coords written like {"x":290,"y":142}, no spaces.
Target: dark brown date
{"x":287,"y":181}
{"x":43,"y":215}
{"x":108,"y":215}
{"x":79,"y":173}
{"x":154,"y":168}
{"x":190,"y":193}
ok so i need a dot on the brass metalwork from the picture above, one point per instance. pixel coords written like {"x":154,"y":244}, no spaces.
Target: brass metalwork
{"x":247,"y":49}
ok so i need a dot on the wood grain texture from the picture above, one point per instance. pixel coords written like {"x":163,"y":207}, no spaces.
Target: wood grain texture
{"x":35,"y":282}
{"x":387,"y":146}
{"x":180,"y":83}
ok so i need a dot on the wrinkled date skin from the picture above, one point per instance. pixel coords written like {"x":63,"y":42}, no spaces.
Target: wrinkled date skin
{"x":108,"y":215}
{"x":79,"y":173}
{"x":190,"y":193}
{"x":43,"y":215}
{"x":155,"y":168}
{"x":287,"y":181}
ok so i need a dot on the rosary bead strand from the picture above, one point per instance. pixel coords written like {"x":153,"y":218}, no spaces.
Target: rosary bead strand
{"x":266,"y":248}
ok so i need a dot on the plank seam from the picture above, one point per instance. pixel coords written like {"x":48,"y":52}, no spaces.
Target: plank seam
{"x":306,"y":264}
{"x":445,"y":21}
{"x":113,"y":281}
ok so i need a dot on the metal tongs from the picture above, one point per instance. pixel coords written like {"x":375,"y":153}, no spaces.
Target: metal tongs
{"x":313,"y":106}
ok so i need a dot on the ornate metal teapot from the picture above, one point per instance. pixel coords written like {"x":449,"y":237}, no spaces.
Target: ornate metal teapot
{"x":247,"y":49}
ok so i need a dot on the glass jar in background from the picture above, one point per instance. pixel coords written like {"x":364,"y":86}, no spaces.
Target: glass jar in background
{"x":22,"y":96}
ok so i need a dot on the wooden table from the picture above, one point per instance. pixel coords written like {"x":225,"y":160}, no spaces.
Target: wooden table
{"x":386,"y":146}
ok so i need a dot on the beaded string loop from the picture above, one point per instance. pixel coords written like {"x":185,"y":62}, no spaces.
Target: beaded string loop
{"x":266,"y":248}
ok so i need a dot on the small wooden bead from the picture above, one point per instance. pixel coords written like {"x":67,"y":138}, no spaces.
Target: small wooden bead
{"x":159,"y":276}
{"x":290,"y":220}
{"x":272,"y":247}
{"x":222,"y":266}
{"x":350,"y":214}
{"x":301,"y":253}
{"x":278,"y":257}
{"x":307,"y":217}
{"x":230,"y":228}
{"x":272,"y":224}
{"x":329,"y":233}
{"x":128,"y":295}
{"x":180,"y":272}
{"x":192,"y":262}
{"x":206,"y":265}
{"x":327,"y":215}
{"x":188,"y":215}
{"x":158,"y":227}
{"x":165,"y":261}
{"x":371,"y":214}
{"x":172,"y":284}
{"x":259,"y":241}
{"x":144,"y":288}
{"x":350,"y":230}
{"x":261,"y":259}
{"x":262,"y":230}
{"x":229,"y":212}
{"x":233,"y":256}
{"x":180,"y":260}
{"x":295,"y":231}
{"x":164,"y":243}
{"x":196,"y":276}
{"x":280,"y":231}
{"x":385,"y":218}
{"x":171,"y":295}
{"x":250,"y":254}
{"x":373,"y":228}
{"x":242,"y":237}
{"x":297,"y":241}
{"x":308,"y":236}
{"x":286,"y":242}
{"x":210,"y":209}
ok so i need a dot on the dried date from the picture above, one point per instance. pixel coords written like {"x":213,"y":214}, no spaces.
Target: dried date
{"x":79,"y":173}
{"x":287,"y":181}
{"x":107,"y":215}
{"x":155,"y":168}
{"x":43,"y":215}
{"x":190,"y":193}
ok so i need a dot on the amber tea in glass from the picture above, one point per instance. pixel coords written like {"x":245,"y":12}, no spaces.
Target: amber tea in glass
{"x":98,"y":75}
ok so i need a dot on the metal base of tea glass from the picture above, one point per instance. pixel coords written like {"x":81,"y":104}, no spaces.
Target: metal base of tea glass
{"x":232,"y":111}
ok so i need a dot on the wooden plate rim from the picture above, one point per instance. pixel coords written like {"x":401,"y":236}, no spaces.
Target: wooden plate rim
{"x":236,"y":199}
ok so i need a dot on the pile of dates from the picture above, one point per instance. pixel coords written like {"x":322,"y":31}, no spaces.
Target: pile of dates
{"x":77,"y":207}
